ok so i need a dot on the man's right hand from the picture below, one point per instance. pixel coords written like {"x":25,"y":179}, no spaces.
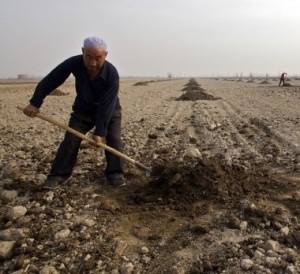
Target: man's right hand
{"x":31,"y":110}
{"x":98,"y":140}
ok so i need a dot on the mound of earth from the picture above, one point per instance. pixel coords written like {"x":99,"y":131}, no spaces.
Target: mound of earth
{"x":192,"y":84}
{"x":287,"y":85}
{"x":145,"y":83}
{"x":265,"y":82}
{"x":194,"y":92}
{"x":58,"y":92}
{"x":192,"y":88}
{"x":196,"y":95}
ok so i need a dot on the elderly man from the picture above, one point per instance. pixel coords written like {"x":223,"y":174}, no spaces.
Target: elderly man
{"x":96,"y":105}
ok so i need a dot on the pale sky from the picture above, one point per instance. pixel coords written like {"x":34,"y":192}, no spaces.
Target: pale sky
{"x":154,"y":37}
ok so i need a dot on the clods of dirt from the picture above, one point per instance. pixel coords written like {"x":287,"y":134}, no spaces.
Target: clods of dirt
{"x":211,"y":179}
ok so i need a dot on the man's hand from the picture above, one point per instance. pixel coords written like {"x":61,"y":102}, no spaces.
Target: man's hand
{"x":31,"y":110}
{"x":98,"y":139}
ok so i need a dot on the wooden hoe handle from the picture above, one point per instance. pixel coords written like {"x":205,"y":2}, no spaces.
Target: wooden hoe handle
{"x":90,"y":140}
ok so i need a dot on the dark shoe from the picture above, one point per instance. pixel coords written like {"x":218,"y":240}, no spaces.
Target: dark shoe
{"x":116,"y":180}
{"x":53,"y":182}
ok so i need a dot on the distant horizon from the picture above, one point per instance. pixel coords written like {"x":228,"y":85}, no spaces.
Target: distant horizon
{"x":166,"y":75}
{"x":235,"y":76}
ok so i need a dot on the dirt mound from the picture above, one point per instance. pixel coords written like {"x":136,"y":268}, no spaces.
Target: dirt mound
{"x":145,"y":83}
{"x":58,"y":92}
{"x":196,"y":95}
{"x":211,"y":179}
{"x":192,"y":85}
{"x":265,"y":82}
{"x":194,"y":92}
{"x":287,"y":85}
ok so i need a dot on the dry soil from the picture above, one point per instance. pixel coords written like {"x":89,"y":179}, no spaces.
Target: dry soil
{"x":223,"y":197}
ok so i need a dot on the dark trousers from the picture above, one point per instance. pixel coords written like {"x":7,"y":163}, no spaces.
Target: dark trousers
{"x":281,"y":81}
{"x":67,"y":152}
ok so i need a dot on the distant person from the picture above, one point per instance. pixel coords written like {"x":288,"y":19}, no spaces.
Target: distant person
{"x":96,"y":105}
{"x":282,"y":78}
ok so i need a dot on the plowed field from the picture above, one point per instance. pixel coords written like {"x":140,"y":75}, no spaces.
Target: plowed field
{"x":223,"y":196}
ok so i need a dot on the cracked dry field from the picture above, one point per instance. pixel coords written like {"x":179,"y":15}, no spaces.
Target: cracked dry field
{"x":224,"y":188}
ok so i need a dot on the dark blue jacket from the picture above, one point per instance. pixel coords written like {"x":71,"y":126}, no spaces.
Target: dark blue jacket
{"x":97,"y":97}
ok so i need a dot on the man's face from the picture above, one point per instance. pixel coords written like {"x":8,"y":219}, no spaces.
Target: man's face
{"x":93,"y":59}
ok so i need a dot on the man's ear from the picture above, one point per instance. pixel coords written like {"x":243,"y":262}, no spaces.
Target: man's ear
{"x":82,"y":49}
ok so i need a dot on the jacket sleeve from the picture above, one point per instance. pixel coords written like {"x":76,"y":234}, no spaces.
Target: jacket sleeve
{"x":50,"y":82}
{"x":105,"y":108}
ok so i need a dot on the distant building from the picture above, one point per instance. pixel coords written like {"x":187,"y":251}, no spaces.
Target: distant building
{"x":23,"y":76}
